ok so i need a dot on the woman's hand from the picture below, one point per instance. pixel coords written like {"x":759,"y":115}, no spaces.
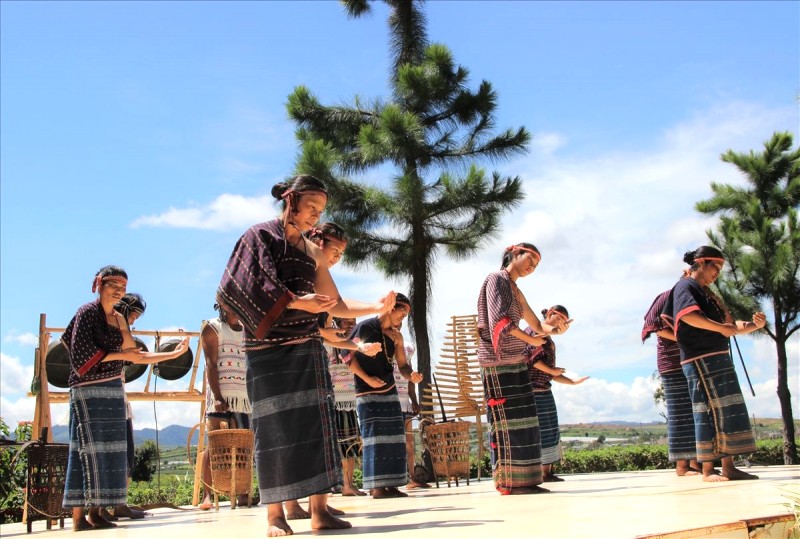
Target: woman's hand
{"x":415,"y":377}
{"x":370,"y":348}
{"x":580,"y":380}
{"x":535,"y":340}
{"x":557,"y":371}
{"x":760,"y":319}
{"x":387,"y":302}
{"x":313,"y":303}
{"x":374,"y":382}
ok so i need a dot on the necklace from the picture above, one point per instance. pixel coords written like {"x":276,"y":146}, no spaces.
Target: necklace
{"x":389,"y":359}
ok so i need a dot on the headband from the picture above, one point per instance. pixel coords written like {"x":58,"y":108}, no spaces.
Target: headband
{"x":518,"y":248}
{"x":710,"y":259}
{"x":100,"y":280}
{"x":290,"y":191}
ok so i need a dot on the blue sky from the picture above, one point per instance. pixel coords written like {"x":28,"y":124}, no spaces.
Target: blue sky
{"x":149,"y":134}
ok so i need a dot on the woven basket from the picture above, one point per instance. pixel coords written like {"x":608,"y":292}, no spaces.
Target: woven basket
{"x":448,"y":444}
{"x":47,"y":476}
{"x":231,"y":456}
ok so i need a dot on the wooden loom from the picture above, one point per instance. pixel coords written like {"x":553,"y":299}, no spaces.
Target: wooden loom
{"x":458,"y":378}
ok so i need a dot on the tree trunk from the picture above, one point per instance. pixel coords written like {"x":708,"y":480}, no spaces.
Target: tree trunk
{"x":785,"y":396}
{"x":419,"y":322}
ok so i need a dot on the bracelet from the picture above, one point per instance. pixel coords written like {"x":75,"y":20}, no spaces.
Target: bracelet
{"x":360,"y":346}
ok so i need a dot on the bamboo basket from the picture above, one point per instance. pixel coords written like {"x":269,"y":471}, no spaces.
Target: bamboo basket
{"x":47,"y":477}
{"x":231,"y":456}
{"x":448,"y":444}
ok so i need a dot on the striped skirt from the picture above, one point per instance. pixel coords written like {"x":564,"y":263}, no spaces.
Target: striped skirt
{"x":348,"y":433}
{"x":514,"y":427}
{"x":294,"y":421}
{"x":97,"y":468}
{"x":680,"y":421}
{"x":384,"y":437}
{"x":721,"y":424}
{"x":548,"y":426}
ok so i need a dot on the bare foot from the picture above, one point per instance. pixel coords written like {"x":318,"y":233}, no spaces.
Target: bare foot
{"x":206,"y":505}
{"x":713,"y":478}
{"x":736,"y":474}
{"x":536,"y":489}
{"x":552,"y":478}
{"x":413,"y":484}
{"x":335,"y":512}
{"x":350,"y":491}
{"x":278,"y":527}
{"x":99,"y":523}
{"x":295,"y":512}
{"x":379,"y":493}
{"x":685,"y":470}
{"x":394,"y":493}
{"x":107,"y":516}
{"x":81,"y":524}
{"x":323,"y":520}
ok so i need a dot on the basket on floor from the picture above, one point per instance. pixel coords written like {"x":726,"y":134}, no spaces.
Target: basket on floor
{"x":448,"y":444}
{"x":230,"y":453}
{"x":47,"y":476}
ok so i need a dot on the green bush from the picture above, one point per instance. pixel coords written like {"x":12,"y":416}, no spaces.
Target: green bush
{"x":13,"y":470}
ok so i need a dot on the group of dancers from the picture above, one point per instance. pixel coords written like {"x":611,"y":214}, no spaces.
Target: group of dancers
{"x":293,"y":329}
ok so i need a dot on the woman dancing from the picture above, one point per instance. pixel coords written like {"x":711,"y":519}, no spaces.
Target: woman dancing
{"x":542,"y":369}
{"x":99,"y":342}
{"x":277,"y":282}
{"x":515,"y":439}
{"x":702,"y":326}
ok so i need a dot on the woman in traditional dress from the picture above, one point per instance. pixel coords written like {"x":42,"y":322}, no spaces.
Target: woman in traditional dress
{"x":379,"y":412}
{"x":515,"y":439}
{"x":682,"y":449}
{"x":277,"y":282}
{"x":99,"y":342}
{"x":222,"y":339}
{"x":703,"y":327}
{"x":542,"y":369}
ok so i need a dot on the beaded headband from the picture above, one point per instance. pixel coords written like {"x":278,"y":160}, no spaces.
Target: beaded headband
{"x":518,"y":248}
{"x":100,"y":280}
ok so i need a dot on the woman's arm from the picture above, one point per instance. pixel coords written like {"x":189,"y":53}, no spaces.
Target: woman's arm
{"x":400,"y":356}
{"x":744,"y":327}
{"x":553,"y":371}
{"x":569,"y":381}
{"x":699,"y":320}
{"x":356,"y":368}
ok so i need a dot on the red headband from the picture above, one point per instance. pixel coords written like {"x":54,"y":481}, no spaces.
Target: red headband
{"x":100,"y":280}
{"x":517,"y":248}
{"x":711,"y":259}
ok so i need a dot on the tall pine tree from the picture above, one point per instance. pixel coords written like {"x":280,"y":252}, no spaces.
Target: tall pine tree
{"x":431,"y":134}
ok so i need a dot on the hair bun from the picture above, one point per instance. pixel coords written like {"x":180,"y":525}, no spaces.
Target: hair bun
{"x":279,"y":189}
{"x":688,"y":257}
{"x":544,"y":312}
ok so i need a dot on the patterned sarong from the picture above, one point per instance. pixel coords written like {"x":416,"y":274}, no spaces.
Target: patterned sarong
{"x":721,"y":424}
{"x":294,"y":421}
{"x":348,"y":433}
{"x":680,"y":422}
{"x":548,"y":426}
{"x":97,"y":468}
{"x":514,"y":427}
{"x":384,"y":437}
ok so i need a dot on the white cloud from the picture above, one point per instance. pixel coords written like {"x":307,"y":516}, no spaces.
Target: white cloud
{"x":226,"y":212}
{"x":25,"y":339}
{"x":15,"y":378}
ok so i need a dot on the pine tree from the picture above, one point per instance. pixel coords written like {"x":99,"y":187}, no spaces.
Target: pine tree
{"x":759,"y":236}
{"x":431,"y":132}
